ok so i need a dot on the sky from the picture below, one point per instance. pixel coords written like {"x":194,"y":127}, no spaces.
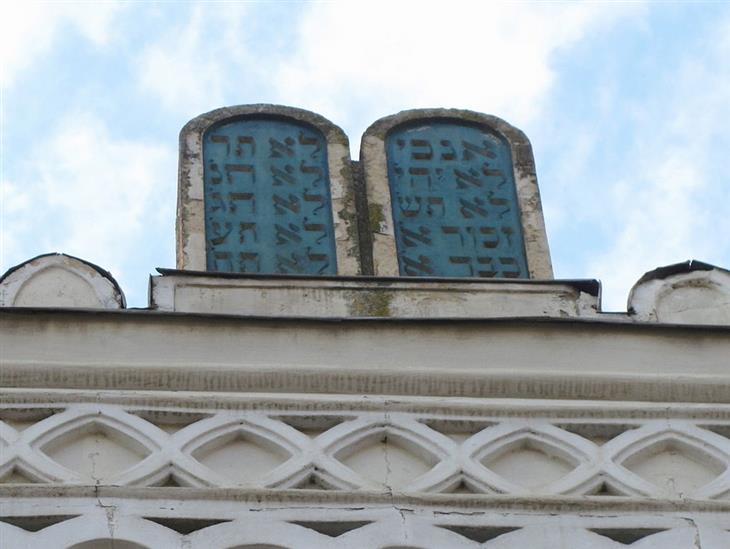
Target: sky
{"x":627,"y":106}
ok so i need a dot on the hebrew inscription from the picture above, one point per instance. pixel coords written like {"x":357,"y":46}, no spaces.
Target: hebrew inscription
{"x":267,"y":198}
{"x":454,"y":201}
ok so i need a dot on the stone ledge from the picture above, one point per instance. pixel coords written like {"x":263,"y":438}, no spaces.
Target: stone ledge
{"x":152,"y":497}
{"x":105,"y":517}
{"x":330,"y":297}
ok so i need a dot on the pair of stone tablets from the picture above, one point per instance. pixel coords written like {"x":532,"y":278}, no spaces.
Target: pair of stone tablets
{"x":437,"y":193}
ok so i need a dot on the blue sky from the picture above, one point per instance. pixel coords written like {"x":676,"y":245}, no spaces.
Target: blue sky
{"x":626,"y":104}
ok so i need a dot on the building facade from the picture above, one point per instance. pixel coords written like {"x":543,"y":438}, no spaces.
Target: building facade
{"x":369,"y":354}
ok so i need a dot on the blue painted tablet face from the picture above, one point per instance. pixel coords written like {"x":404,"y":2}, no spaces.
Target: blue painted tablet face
{"x":454,"y":201}
{"x":267,"y":198}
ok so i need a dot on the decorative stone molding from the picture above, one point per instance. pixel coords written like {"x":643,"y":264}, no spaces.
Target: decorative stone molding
{"x":60,"y":281}
{"x":165,"y":470}
{"x":330,"y":297}
{"x":191,"y":212}
{"x":687,"y":293}
{"x":374,"y":159}
{"x":353,"y":445}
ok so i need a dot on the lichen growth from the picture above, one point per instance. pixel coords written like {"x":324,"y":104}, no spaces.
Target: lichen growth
{"x":347,"y":213}
{"x":375,"y":303}
{"x":375,"y":217}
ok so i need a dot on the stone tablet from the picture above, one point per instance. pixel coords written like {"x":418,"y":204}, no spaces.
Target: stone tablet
{"x":453,"y":194}
{"x":270,"y":202}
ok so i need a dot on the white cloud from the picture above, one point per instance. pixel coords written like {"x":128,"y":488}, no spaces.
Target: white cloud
{"x":14,"y":204}
{"x":189,"y":67}
{"x":28,"y":30}
{"x":487,"y":56}
{"x":354,"y":62}
{"x":674,"y":201}
{"x":89,"y":194}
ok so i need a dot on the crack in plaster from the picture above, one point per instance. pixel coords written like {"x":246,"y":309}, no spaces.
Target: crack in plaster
{"x":696,"y":540}
{"x":109,"y":511}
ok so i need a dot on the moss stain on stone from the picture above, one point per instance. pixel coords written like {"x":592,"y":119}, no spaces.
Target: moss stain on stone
{"x":347,"y":213}
{"x":375,"y":217}
{"x":374,"y":303}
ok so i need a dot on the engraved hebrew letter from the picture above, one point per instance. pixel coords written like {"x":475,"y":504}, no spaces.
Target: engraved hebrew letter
{"x":509,"y":269}
{"x":243,"y":228}
{"x":240,"y":174}
{"x":282,"y":149}
{"x":281,"y":204}
{"x":284,"y":176}
{"x":421,"y":149}
{"x":412,"y":238}
{"x":448,"y":151}
{"x":244,"y":141}
{"x":470,"y":149}
{"x":470,"y":208}
{"x":221,"y":140}
{"x":248,"y":201}
{"x":410,"y":206}
{"x":436,"y":206}
{"x":287,"y":235}
{"x":312,"y":170}
{"x":419,"y":267}
{"x":249,"y":262}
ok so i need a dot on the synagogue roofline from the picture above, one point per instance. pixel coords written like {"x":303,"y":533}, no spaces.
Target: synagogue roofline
{"x":619,"y":321}
{"x":441,"y":218}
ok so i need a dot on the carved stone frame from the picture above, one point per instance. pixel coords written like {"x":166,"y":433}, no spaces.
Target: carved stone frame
{"x":190,"y":225}
{"x":380,"y":217}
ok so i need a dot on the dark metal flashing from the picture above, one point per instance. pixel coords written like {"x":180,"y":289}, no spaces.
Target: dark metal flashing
{"x":589,"y":286}
{"x":678,"y":268}
{"x":613,"y":321}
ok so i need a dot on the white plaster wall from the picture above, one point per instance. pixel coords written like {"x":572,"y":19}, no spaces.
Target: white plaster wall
{"x":477,"y":358}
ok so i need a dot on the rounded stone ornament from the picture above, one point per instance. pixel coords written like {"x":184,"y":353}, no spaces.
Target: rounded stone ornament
{"x":60,"y":281}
